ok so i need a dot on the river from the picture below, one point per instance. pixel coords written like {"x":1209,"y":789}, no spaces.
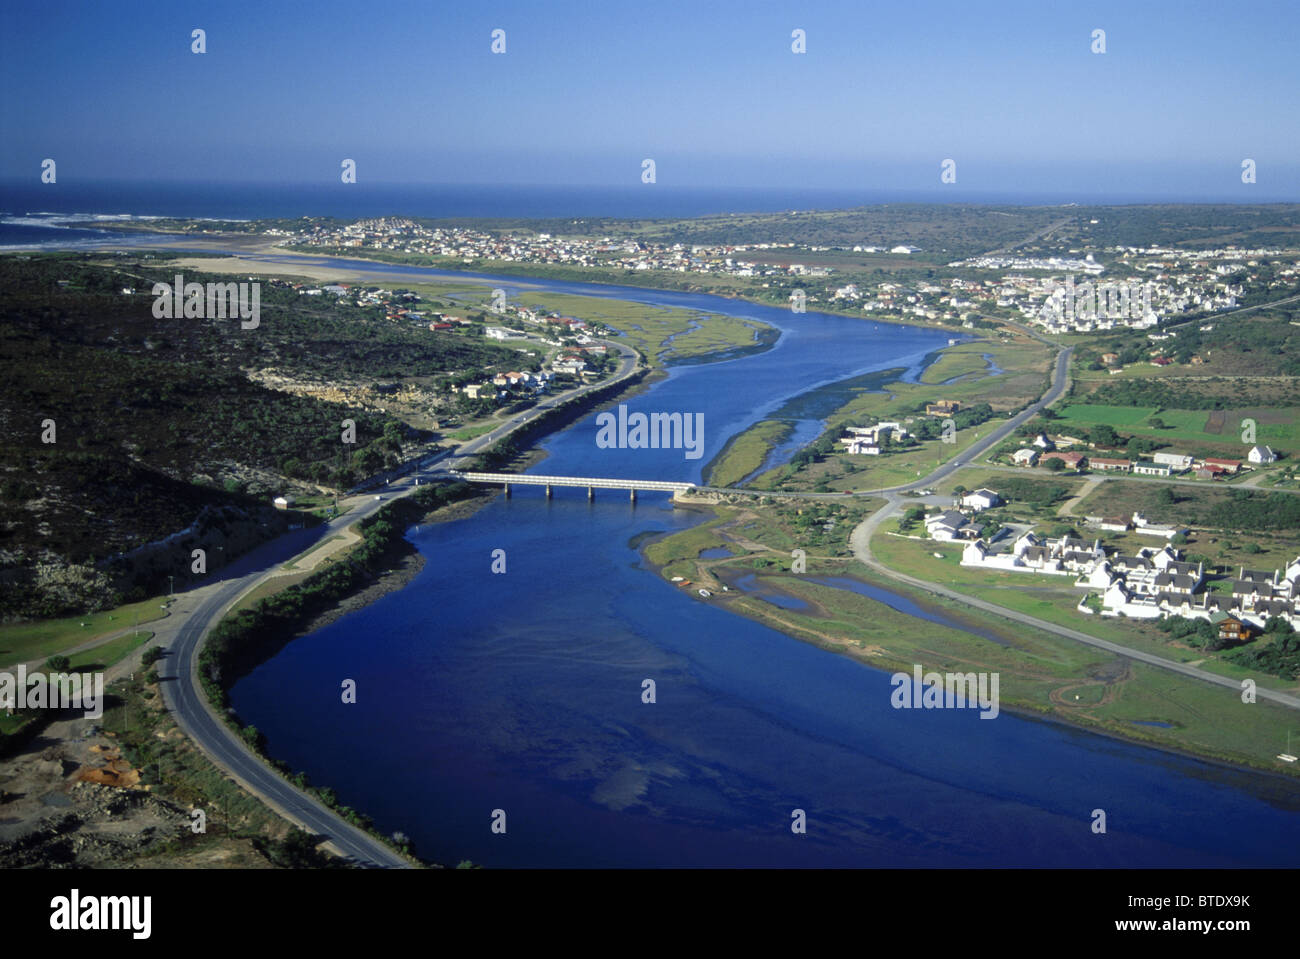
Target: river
{"x":522,"y":691}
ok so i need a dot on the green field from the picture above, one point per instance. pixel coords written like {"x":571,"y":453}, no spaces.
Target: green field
{"x":24,"y":642}
{"x":845,"y":471}
{"x":1278,"y":427}
{"x":472,"y":432}
{"x":109,"y":653}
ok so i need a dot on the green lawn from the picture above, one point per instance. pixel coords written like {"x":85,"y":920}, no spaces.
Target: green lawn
{"x":22,"y":642}
{"x":109,"y":653}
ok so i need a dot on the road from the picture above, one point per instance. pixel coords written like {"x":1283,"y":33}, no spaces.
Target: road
{"x":1060,"y":381}
{"x":191,"y":620}
{"x":626,"y":367}
{"x":860,"y":540}
{"x":178,"y":672}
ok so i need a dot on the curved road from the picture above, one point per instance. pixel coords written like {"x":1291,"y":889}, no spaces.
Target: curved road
{"x":179,"y":670}
{"x":860,"y":540}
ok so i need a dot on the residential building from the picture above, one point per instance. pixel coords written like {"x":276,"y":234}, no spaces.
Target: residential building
{"x":1072,"y":460}
{"x":1177,"y":462}
{"x":946,"y":526}
{"x":981,"y":499}
{"x":1228,"y":466}
{"x":942,"y":408}
{"x":1100,"y":463}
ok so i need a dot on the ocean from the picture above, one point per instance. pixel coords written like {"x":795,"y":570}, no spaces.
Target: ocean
{"x":33,"y":214}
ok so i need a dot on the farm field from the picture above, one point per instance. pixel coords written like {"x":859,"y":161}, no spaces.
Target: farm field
{"x":1277,"y":427}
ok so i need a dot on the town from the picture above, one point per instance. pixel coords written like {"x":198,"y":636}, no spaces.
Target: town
{"x":1034,"y":289}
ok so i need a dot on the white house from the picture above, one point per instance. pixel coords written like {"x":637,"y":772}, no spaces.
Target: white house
{"x":981,"y":499}
{"x":1178,"y":462}
{"x":1117,"y":599}
{"x":945,"y":526}
{"x":1024,"y":457}
{"x":1261,"y":455}
{"x":497,"y":333}
{"x":1101,"y":576}
{"x":1147,"y":528}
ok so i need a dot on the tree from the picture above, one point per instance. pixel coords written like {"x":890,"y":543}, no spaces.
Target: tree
{"x":1165,"y":496}
{"x":1054,"y":465}
{"x":58,"y":664}
{"x":1104,"y":435}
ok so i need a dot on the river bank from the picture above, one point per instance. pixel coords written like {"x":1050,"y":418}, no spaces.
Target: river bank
{"x":522,"y":692}
{"x":523,"y":272}
{"x":252,"y":248}
{"x":1039,"y":673}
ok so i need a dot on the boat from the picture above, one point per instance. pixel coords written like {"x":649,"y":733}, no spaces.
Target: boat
{"x":705,"y":593}
{"x":1286,"y":757}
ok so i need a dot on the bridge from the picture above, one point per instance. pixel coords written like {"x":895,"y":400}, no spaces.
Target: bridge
{"x":592,"y":483}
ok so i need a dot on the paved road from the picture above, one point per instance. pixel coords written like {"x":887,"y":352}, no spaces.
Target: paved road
{"x":860,"y":540}
{"x":181,"y":692}
{"x":1059,"y":383}
{"x":626,"y":367}
{"x":222,"y":746}
{"x":1060,"y":380}
{"x":179,"y":669}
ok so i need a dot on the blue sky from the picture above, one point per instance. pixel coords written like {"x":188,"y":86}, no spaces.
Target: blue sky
{"x":712,"y":92}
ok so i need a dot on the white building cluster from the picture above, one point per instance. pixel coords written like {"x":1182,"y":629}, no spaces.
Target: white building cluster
{"x":1151,"y":583}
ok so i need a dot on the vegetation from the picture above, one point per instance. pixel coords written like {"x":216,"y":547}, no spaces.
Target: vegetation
{"x":746,"y":452}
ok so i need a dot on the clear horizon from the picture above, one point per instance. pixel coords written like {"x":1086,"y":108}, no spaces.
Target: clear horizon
{"x":580,"y":97}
